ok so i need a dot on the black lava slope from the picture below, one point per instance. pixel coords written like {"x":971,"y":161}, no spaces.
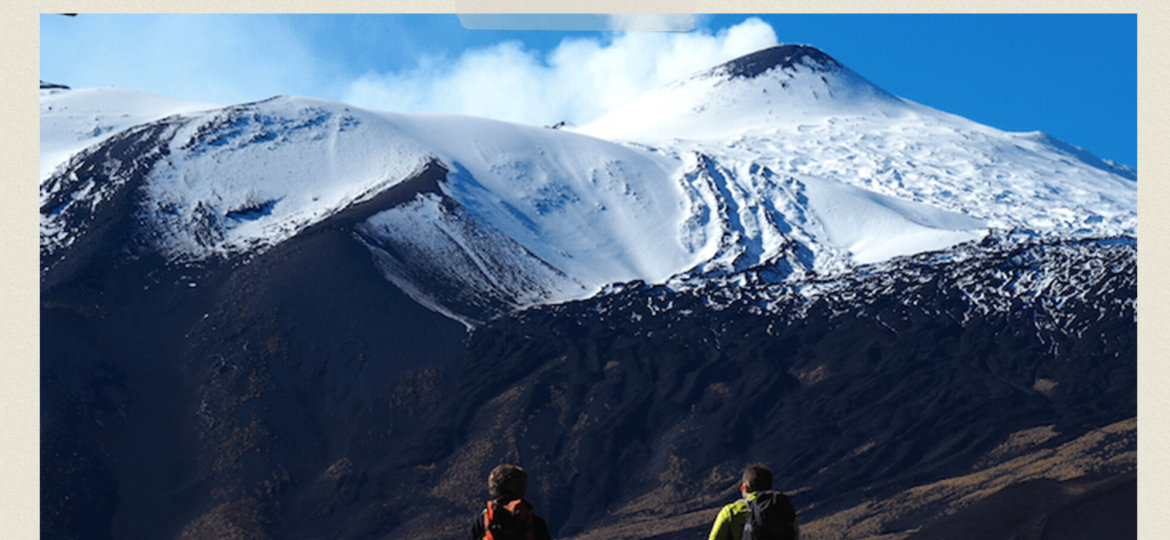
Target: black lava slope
{"x":168,"y":389}
{"x":646,"y":402}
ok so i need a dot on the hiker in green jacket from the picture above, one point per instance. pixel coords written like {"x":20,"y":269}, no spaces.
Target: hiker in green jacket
{"x":772,"y":510}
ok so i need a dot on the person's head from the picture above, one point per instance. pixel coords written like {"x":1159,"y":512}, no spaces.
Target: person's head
{"x":508,"y":482}
{"x":756,"y":477}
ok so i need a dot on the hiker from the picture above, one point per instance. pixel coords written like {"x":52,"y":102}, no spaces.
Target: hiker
{"x":762,"y":514}
{"x":508,"y":515}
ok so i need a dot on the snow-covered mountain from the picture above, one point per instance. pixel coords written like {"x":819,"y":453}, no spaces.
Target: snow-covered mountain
{"x":254,"y":319}
{"x":783,"y":157}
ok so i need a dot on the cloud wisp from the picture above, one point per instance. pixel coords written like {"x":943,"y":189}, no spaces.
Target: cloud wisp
{"x":577,"y":81}
{"x":222,"y":59}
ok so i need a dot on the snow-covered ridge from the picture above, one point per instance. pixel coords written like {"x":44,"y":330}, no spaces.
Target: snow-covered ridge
{"x":72,"y":120}
{"x":783,"y":157}
{"x":1070,"y":284}
{"x":237,"y":179}
{"x":798,"y":113}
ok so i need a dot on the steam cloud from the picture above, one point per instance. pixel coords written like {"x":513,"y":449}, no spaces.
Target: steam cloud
{"x":577,"y":81}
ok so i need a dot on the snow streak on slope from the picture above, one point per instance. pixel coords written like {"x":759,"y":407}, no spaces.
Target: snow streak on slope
{"x":432,"y":250}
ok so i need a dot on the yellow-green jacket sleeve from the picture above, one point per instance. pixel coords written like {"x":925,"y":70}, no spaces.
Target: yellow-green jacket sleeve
{"x":723,"y":530}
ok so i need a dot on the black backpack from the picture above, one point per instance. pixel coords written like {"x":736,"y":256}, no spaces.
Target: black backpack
{"x":770,"y":517}
{"x":512,"y":521}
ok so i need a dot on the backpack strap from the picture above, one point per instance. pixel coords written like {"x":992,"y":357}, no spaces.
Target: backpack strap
{"x":747,"y":525}
{"x":518,"y":507}
{"x":488,"y":515}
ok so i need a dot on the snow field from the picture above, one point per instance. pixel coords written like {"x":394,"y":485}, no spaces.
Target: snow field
{"x":810,"y":165}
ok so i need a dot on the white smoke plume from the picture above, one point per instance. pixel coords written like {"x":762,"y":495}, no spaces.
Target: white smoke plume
{"x":578,"y":81}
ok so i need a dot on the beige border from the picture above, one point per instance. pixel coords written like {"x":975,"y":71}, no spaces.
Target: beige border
{"x":19,"y":263}
{"x":1153,"y":259}
{"x":19,"y":403}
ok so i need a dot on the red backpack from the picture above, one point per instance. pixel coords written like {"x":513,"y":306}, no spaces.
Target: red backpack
{"x":509,"y":522}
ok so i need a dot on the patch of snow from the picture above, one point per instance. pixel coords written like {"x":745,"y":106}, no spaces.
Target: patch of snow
{"x":873,"y":227}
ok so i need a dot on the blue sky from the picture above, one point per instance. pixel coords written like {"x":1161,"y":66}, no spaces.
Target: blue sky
{"x":1073,"y":76}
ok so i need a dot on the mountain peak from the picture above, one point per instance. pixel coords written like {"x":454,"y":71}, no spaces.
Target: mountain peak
{"x":781,"y":56}
{"x":783,"y":85}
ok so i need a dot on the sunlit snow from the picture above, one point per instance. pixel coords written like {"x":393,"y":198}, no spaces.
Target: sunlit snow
{"x":72,"y":120}
{"x":809,"y":164}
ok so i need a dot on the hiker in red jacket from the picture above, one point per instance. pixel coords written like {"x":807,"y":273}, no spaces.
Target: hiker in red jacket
{"x":508,"y":515}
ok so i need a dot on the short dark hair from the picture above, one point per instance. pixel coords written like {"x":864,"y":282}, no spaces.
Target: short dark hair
{"x":758,"y":477}
{"x":508,"y":481}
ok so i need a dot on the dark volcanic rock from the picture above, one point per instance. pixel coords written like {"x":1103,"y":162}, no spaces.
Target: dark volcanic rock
{"x":645,"y":403}
{"x":183,"y":398}
{"x":301,"y":394}
{"x":781,"y":56}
